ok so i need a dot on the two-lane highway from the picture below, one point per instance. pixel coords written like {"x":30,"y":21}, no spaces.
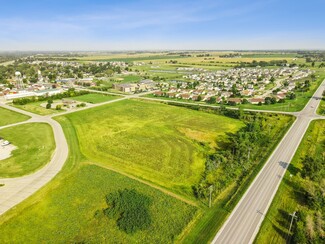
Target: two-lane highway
{"x":245,"y":220}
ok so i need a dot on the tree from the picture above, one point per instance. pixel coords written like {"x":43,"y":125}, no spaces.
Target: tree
{"x":292,"y":96}
{"x":272,"y":79}
{"x":245,"y":101}
{"x":48,"y":106}
{"x":212,"y":100}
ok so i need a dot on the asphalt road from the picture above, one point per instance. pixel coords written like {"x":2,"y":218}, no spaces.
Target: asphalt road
{"x":244,"y":222}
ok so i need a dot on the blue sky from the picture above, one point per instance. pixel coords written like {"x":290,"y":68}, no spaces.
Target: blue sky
{"x":158,"y":25}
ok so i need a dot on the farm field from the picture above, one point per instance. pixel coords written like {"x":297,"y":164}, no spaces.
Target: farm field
{"x":293,"y":194}
{"x":156,"y":142}
{"x":94,"y":98}
{"x":73,"y":212}
{"x":9,"y":117}
{"x":35,"y":145}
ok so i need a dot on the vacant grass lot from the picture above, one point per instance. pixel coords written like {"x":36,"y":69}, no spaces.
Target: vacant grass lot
{"x":156,"y":142}
{"x":10,"y":117}
{"x":67,"y":215}
{"x":94,"y":98}
{"x":35,"y":145}
{"x":289,"y":197}
{"x":36,"y":108}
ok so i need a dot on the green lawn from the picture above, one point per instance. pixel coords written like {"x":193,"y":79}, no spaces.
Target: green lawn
{"x":94,"y":98}
{"x":321,"y":107}
{"x":131,"y":78}
{"x":35,"y":145}
{"x":10,"y":117}
{"x":36,"y":108}
{"x":290,"y":195}
{"x":156,"y":142}
{"x":67,"y":215}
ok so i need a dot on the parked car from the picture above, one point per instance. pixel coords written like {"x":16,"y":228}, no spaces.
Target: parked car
{"x":5,"y":143}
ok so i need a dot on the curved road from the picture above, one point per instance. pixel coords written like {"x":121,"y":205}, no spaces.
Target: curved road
{"x":244,"y":222}
{"x":18,"y":189}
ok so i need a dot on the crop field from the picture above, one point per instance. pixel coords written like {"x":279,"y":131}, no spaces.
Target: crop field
{"x":35,"y":145}
{"x":9,"y":117}
{"x":74,"y":213}
{"x":94,"y":98}
{"x":290,"y":195}
{"x":156,"y":142}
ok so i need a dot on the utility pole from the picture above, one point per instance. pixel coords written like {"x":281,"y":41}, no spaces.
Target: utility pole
{"x":210,"y":197}
{"x":293,"y":216}
{"x":249,"y":152}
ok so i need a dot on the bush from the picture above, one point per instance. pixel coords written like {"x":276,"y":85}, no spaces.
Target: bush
{"x":58,"y":107}
{"x":48,"y":106}
{"x":130,"y":209}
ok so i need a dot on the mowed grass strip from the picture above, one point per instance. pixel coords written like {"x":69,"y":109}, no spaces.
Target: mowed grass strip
{"x":160,"y":143}
{"x":10,"y":117}
{"x":68,"y":213}
{"x":35,"y":145}
{"x":94,"y":98}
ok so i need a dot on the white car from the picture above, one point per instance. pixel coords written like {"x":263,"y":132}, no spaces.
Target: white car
{"x":5,"y":143}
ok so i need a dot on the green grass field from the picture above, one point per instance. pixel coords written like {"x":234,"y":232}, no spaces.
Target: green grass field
{"x":68,"y":213}
{"x":10,"y":117}
{"x":36,"y":108}
{"x":35,"y":145}
{"x":64,"y":210}
{"x":290,"y":197}
{"x":94,"y":98}
{"x":156,"y":142}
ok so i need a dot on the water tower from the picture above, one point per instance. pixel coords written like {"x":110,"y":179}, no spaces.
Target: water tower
{"x":19,"y":80}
